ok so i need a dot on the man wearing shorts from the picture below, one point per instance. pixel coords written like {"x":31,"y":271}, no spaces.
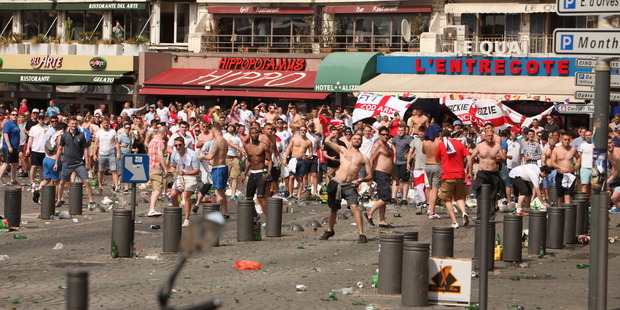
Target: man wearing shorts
{"x":235,"y":148}
{"x":401,"y":145}
{"x":432,"y":169}
{"x":36,"y":146}
{"x":10,"y":146}
{"x":566,"y":160}
{"x":586,"y":152}
{"x":451,"y":154}
{"x":381,"y":160}
{"x":219,"y":170}
{"x":104,"y":152}
{"x":257,"y":171}
{"x":157,"y":167}
{"x":185,"y":163}
{"x":74,"y":154}
{"x":299,"y":148}
{"x":525,"y":178}
{"x":51,"y":163}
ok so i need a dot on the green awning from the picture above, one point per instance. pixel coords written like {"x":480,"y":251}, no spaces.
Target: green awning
{"x":342,"y":72}
{"x":60,"y":77}
{"x":79,"y":6}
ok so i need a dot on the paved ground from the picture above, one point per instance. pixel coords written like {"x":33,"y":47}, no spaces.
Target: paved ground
{"x":34,"y":275}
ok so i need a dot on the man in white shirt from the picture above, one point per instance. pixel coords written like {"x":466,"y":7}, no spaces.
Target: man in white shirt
{"x":36,"y":147}
{"x":162,"y":112}
{"x":105,"y":151}
{"x":367,"y":142}
{"x":232,"y":158}
{"x":184,"y":162}
{"x":244,"y":113}
{"x":586,"y":150}
{"x":524,"y":178}
{"x":129,"y":110}
{"x":183,"y":132}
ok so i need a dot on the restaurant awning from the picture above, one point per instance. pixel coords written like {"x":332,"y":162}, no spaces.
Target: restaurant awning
{"x":59,"y":5}
{"x":232,"y":93}
{"x":342,"y":72}
{"x":503,"y":8}
{"x":555,"y":88}
{"x":60,"y":77}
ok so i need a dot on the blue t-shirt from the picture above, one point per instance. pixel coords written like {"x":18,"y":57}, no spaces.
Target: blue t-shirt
{"x":13,"y":130}
{"x":86,"y":133}
{"x":51,"y":111}
{"x":505,"y":149}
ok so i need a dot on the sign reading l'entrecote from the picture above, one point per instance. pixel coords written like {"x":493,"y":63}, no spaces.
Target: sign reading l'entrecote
{"x":279,"y":64}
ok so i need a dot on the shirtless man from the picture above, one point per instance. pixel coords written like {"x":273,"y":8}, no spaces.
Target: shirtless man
{"x":613,"y":156}
{"x":272,"y":116}
{"x":204,"y":136}
{"x":295,"y":121}
{"x":381,"y":160}
{"x":546,"y":161}
{"x":433,"y":167}
{"x":268,"y":137}
{"x":300,"y":148}
{"x":219,"y":172}
{"x":345,"y":183}
{"x":258,"y":169}
{"x":489,"y":154}
{"x":417,"y":118}
{"x":565,"y":159}
{"x":139,"y":133}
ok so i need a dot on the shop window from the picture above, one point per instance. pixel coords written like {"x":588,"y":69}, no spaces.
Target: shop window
{"x":85,"y":21}
{"x":133,"y":22}
{"x":39,"y":22}
{"x":174,"y":26}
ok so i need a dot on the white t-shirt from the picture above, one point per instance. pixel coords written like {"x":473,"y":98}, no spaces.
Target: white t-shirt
{"x":245,"y":115}
{"x":315,"y":143}
{"x":514,"y":150}
{"x":236,"y":141}
{"x":129,"y":111}
{"x":529,"y":172}
{"x":38,"y":142}
{"x":189,"y":140}
{"x":107,"y":141}
{"x":586,"y":151}
{"x":163,"y":114}
{"x":366,"y":147}
{"x":182,"y":115}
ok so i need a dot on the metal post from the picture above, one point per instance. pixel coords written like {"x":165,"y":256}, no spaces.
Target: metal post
{"x":172,"y":229}
{"x":592,"y":288}
{"x":75,"y":198}
{"x":538,"y":232}
{"x":602,"y":247}
{"x":513,"y":247}
{"x":245,"y":225}
{"x":553,"y":193}
{"x":77,"y":289}
{"x":570,"y":215}
{"x":122,"y":232}
{"x":581,"y":216}
{"x":414,"y":274}
{"x":490,"y":241}
{"x":555,"y":228}
{"x":13,"y":206}
{"x":47,"y":201}
{"x":274,"y":217}
{"x":443,"y":242}
{"x":134,"y":200}
{"x":390,"y":263}
{"x":208,"y":208}
{"x":485,"y":202}
{"x":409,"y":235}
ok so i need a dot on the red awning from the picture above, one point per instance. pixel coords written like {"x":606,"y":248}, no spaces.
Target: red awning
{"x":378,"y":9}
{"x":258,"y":10}
{"x":232,"y":93}
{"x":243,"y":78}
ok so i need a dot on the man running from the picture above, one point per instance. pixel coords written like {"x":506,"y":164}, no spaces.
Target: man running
{"x":219,"y":171}
{"x":299,"y":148}
{"x":185,"y":163}
{"x":381,"y":160}
{"x":489,"y":153}
{"x":258,"y":169}
{"x":104,"y":151}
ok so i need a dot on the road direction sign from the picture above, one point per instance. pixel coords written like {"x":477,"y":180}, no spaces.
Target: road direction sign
{"x":587,"y":79}
{"x":575,"y":108}
{"x":604,"y":42}
{"x":591,"y":63}
{"x":135,"y":168}
{"x":589,"y":95}
{"x":587,"y":7}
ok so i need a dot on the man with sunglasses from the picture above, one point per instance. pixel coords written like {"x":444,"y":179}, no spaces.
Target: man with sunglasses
{"x":272,"y":114}
{"x":381,"y":160}
{"x":10,"y":145}
{"x":185,"y":163}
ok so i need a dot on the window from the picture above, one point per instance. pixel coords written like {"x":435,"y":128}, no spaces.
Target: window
{"x":469,"y":20}
{"x":132,"y":21}
{"x":500,"y":25}
{"x":6,"y":22}
{"x":174,"y":26}
{"x":377,"y":29}
{"x":279,"y":32}
{"x":39,"y":22}
{"x":537,"y":24}
{"x":85,"y":21}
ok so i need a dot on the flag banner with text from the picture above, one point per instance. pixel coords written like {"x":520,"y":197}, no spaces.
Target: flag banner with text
{"x":478,"y":112}
{"x":369,"y":105}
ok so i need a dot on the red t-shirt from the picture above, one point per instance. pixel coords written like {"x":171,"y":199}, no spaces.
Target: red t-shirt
{"x":22,"y":109}
{"x":394,"y":127}
{"x":452,"y":165}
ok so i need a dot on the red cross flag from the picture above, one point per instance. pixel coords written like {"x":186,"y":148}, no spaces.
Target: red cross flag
{"x":369,"y":105}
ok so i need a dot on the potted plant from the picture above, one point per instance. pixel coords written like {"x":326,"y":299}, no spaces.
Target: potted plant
{"x":211,"y":37}
{"x":12,"y":44}
{"x":330,"y":30}
{"x":87,"y":43}
{"x":134,"y":46}
{"x":110,"y":47}
{"x":40,"y":45}
{"x":418,"y":25}
{"x":61,"y":45}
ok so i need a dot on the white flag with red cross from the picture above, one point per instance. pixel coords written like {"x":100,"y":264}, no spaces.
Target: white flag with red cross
{"x":369,"y":105}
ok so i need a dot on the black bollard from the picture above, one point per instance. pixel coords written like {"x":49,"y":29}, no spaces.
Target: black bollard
{"x":570,"y":215}
{"x":553,"y":193}
{"x":172,"y":229}
{"x":13,"y":206}
{"x":555,"y":228}
{"x":122,"y":232}
{"x":491,"y":245}
{"x":208,"y":208}
{"x":47,"y":201}
{"x":581,"y":216}
{"x":77,"y":289}
{"x":415,"y":274}
{"x":409,"y":235}
{"x":390,"y":263}
{"x":274,"y":217}
{"x":580,"y":195}
{"x":443,"y":242}
{"x":538,"y":232}
{"x":513,"y":243}
{"x":75,"y":198}
{"x":245,"y":223}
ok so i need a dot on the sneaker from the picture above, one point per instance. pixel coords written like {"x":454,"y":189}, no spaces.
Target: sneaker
{"x":327,"y":235}
{"x":185,"y":223}
{"x":403,"y":202}
{"x":59,"y":203}
{"x":362,"y":239}
{"x":22,"y":175}
{"x":465,"y":219}
{"x":369,"y":219}
{"x":226,"y":217}
{"x":614,"y":210}
{"x":14,"y":183}
{"x":113,"y":188}
{"x":256,"y":219}
{"x":234,"y":198}
{"x":153,"y":213}
{"x":195,"y":209}
{"x":127,"y":191}
{"x":35,"y":196}
{"x":392,"y":201}
{"x":455,"y":225}
{"x":434,"y":216}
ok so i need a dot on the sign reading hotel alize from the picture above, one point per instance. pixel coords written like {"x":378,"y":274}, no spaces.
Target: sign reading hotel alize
{"x":245,"y":78}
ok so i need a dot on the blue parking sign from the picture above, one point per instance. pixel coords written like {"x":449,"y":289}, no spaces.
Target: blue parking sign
{"x":135,"y":168}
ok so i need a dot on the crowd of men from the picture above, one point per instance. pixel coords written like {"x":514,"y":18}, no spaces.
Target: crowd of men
{"x":280,"y":151}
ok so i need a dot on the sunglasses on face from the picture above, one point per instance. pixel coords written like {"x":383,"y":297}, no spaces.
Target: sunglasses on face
{"x":384,"y":134}
{"x":13,"y":114}
{"x":179,"y":145}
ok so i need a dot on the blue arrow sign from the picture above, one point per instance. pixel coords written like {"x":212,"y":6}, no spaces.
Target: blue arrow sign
{"x":135,"y":168}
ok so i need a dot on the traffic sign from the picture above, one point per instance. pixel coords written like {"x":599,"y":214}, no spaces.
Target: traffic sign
{"x":591,"y":63}
{"x":589,"y":95}
{"x":575,"y":108}
{"x":135,"y":168}
{"x":587,"y":79}
{"x":587,"y":7}
{"x":604,"y":42}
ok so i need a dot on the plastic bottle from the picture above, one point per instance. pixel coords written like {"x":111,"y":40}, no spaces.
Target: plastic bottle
{"x":472,"y":307}
{"x":375,"y":279}
{"x":19,"y":237}
{"x":114,"y":252}
{"x":582,"y":266}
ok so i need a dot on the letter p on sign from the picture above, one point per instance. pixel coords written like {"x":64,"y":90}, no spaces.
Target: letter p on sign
{"x":566,"y":42}
{"x":570,"y":4}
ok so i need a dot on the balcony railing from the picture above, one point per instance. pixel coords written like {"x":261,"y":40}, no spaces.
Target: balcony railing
{"x":529,"y":44}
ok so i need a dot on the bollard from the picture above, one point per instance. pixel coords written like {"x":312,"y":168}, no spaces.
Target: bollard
{"x":409,"y":235}
{"x":77,"y":289}
{"x":443,"y":242}
{"x":122,"y":232}
{"x":513,"y":243}
{"x":415,"y":274}
{"x":553,"y":193}
{"x":274,"y":217}
{"x":208,"y":208}
{"x":172,"y":229}
{"x":245,"y":225}
{"x":491,"y":246}
{"x":537,"y":237}
{"x":13,"y":206}
{"x":570,"y":214}
{"x":47,"y":201}
{"x":390,"y":263}
{"x":75,"y":198}
{"x":580,"y":196}
{"x":581,"y":216}
{"x":555,"y":228}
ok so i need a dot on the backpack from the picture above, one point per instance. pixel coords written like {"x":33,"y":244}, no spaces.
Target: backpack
{"x":49,"y":149}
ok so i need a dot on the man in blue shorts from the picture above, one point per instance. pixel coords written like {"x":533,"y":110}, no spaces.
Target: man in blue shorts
{"x":219,"y":172}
